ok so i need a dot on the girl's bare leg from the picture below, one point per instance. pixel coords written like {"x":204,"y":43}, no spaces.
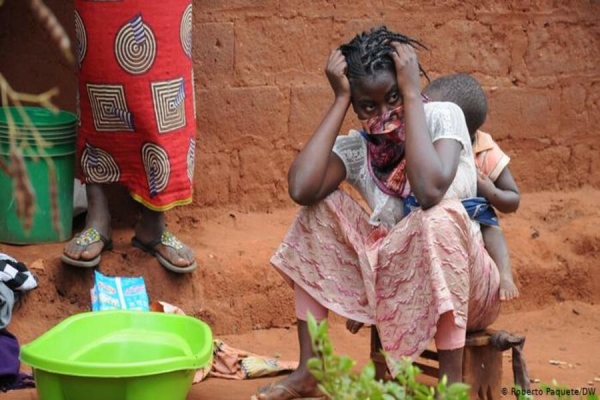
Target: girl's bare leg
{"x":301,"y":381}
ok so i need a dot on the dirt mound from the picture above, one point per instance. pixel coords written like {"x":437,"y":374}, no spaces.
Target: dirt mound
{"x":553,"y":239}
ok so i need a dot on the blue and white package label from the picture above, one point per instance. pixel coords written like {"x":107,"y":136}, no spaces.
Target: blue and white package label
{"x":119,"y":293}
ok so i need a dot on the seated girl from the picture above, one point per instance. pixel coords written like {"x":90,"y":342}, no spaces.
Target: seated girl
{"x":417,"y":277}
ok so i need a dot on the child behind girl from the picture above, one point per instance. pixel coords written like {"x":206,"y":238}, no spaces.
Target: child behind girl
{"x":494,"y":180}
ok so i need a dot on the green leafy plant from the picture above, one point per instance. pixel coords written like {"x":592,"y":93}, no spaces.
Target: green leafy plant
{"x":338,"y":380}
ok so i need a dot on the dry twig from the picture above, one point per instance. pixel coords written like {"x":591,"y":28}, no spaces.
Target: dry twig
{"x":22,"y":189}
{"x":46,"y":17}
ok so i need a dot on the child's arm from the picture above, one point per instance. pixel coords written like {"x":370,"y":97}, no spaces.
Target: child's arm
{"x":502,"y":194}
{"x":316,"y":170}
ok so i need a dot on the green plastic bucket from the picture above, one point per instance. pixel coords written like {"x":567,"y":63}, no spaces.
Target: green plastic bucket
{"x":41,"y":117}
{"x":119,"y":355}
{"x":59,"y":132}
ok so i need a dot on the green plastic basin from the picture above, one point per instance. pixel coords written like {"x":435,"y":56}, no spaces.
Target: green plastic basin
{"x":119,"y":355}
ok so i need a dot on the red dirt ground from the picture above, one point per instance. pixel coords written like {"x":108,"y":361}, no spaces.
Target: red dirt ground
{"x":554,"y":241}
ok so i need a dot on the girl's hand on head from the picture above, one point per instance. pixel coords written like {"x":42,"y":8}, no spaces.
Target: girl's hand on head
{"x":407,"y":69}
{"x":336,"y":74}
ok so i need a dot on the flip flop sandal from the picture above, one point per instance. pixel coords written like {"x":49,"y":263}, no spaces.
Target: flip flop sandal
{"x":287,"y":391}
{"x":84,"y":239}
{"x":169,"y":240}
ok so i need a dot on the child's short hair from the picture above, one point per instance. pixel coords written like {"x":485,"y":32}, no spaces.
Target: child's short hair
{"x":371,"y":52}
{"x":466,"y":92}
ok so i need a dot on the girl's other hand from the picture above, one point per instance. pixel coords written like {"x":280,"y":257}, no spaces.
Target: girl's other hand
{"x":407,"y":69}
{"x":336,"y":74}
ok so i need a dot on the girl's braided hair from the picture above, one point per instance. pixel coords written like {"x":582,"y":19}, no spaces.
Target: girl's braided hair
{"x":370,"y":52}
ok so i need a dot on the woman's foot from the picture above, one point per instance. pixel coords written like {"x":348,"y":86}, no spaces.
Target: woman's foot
{"x":300,"y":384}
{"x":151,"y":236}
{"x":85,"y":248}
{"x":353,"y":326}
{"x":508,"y":289}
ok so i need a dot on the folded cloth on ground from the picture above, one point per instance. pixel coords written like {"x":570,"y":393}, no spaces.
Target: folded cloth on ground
{"x":15,"y":274}
{"x":7,"y":302}
{"x":231,"y":363}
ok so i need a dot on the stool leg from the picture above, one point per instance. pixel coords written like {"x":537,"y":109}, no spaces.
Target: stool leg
{"x":376,"y":356}
{"x":482,"y":369}
{"x":451,"y":364}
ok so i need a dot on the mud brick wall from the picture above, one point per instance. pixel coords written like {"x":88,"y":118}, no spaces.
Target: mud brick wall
{"x":261,"y":89}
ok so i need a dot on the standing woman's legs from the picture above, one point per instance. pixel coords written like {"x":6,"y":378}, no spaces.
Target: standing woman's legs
{"x":137,"y":125}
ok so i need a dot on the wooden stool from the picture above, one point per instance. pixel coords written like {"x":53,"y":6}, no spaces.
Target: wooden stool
{"x":482,"y":364}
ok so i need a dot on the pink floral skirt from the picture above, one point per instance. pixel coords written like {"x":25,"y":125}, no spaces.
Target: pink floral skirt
{"x":400,"y":280}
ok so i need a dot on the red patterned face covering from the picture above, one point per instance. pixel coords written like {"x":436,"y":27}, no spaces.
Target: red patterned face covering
{"x":387,"y":123}
{"x":385,"y":152}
